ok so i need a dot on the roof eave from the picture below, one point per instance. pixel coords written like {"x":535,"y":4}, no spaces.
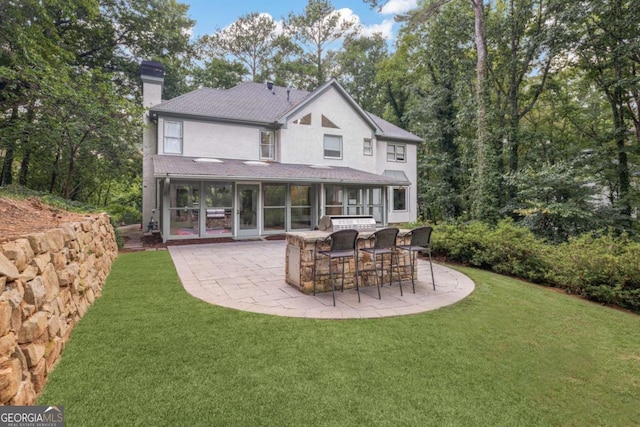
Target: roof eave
{"x":175,"y":114}
{"x":275,"y":179}
{"x":319,"y":91}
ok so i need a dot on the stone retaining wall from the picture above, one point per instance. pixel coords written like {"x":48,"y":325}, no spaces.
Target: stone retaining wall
{"x":47,"y":282}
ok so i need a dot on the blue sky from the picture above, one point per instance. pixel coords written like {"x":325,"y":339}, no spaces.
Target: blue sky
{"x":210,"y":14}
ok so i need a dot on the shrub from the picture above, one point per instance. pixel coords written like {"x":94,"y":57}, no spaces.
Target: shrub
{"x":506,"y":249}
{"x":602,"y":267}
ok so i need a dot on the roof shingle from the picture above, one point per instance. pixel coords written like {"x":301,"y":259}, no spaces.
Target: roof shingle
{"x":235,"y":169}
{"x":254,"y":102}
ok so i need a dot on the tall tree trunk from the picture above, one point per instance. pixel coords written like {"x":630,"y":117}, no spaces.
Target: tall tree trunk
{"x":54,"y":172}
{"x":26,"y":150}
{"x":70,"y":173}
{"x":6,"y":176}
{"x":484,"y":205}
{"x":24,"y":167}
{"x":618,"y":109}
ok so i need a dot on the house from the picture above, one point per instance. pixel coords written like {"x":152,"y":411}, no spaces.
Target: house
{"x":259,"y":159}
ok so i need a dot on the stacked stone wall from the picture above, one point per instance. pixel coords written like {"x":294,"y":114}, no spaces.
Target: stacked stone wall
{"x":47,"y":282}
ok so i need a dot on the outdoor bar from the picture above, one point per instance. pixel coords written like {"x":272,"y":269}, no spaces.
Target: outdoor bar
{"x":300,"y":255}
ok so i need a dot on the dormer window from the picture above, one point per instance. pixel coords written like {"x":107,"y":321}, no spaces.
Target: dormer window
{"x":267,"y":145}
{"x":304,"y":120}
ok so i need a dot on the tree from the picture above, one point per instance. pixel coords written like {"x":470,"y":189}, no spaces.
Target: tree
{"x":606,"y":42}
{"x":314,"y":31}
{"x":250,"y":40}
{"x":69,"y":91}
{"x":525,"y":38}
{"x":440,"y":54}
{"x":219,"y":73}
{"x":357,"y":64}
{"x":485,"y":177}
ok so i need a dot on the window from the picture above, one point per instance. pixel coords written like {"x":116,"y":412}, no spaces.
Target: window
{"x":396,"y":153}
{"x":274,"y":196}
{"x":332,"y":146}
{"x":334,"y":200}
{"x":400,"y":199}
{"x":326,"y":123}
{"x":304,"y":120}
{"x":172,"y":137}
{"x":368,"y":147}
{"x":300,"y":207}
{"x":267,"y":145}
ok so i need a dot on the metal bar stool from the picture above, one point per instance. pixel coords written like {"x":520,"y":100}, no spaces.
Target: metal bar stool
{"x":384,"y":243}
{"x":342,"y":244}
{"x":420,"y":241}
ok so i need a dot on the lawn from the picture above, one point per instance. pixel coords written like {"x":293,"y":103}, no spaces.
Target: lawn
{"x":511,"y":354}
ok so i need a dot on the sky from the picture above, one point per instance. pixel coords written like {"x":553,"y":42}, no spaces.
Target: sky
{"x":211,"y":14}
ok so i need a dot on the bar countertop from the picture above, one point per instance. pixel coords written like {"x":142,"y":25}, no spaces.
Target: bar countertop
{"x":312,"y":236}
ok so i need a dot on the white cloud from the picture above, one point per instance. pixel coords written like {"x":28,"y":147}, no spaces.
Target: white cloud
{"x":385,"y":27}
{"x":395,"y":7}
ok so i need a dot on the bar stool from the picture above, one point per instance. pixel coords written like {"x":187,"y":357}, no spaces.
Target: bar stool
{"x":384,"y":243}
{"x":420,"y":241}
{"x":342,"y":244}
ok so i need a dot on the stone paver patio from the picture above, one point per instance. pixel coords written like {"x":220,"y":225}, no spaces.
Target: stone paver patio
{"x":250,"y":276}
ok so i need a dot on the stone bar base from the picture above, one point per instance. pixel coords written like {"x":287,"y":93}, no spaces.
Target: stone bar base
{"x":300,"y":258}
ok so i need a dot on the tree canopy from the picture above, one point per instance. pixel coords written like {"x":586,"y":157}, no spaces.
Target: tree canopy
{"x":529,"y":109}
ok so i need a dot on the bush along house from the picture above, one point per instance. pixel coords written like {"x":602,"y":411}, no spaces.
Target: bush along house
{"x":259,"y":159}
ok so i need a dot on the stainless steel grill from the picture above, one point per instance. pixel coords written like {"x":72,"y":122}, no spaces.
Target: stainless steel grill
{"x":347,"y":222}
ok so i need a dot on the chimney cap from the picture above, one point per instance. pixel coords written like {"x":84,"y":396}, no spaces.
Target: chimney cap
{"x":152,"y":68}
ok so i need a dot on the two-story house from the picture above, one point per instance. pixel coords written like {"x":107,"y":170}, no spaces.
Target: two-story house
{"x":259,"y":159}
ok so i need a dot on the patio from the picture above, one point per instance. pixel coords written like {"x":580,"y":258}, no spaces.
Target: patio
{"x":250,"y":276}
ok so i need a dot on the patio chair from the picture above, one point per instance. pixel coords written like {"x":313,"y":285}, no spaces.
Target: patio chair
{"x":384,"y":242}
{"x":342,"y":244}
{"x":420,"y":241}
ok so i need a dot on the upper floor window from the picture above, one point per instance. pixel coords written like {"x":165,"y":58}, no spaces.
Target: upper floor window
{"x":396,"y":153}
{"x":267,"y":145}
{"x":172,"y":137}
{"x":333,"y":146}
{"x":326,"y":123}
{"x":368,"y":147}
{"x":304,"y":120}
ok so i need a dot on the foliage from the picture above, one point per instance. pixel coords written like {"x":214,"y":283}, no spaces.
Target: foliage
{"x":509,"y":354}
{"x":605,"y":268}
{"x":19,"y":192}
{"x":505,"y":248}
{"x":313,"y":32}
{"x":555,"y":201}
{"x":69,"y":89}
{"x":250,"y":40}
{"x":357,"y":65}
{"x":601,"y":267}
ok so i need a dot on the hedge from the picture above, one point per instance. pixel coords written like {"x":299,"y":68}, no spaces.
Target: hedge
{"x":599,"y":265}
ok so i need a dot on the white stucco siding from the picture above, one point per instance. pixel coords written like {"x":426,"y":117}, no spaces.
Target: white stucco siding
{"x":305,"y":143}
{"x":410,"y":168}
{"x":203,"y":139}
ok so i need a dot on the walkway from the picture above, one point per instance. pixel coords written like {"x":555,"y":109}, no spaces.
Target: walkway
{"x":249,"y":276}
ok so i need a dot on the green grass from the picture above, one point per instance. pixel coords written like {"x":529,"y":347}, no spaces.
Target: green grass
{"x":511,"y":354}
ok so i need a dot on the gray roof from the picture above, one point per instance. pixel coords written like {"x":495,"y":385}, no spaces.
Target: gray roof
{"x":253,"y":102}
{"x":249,"y":101}
{"x":234,"y":169}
